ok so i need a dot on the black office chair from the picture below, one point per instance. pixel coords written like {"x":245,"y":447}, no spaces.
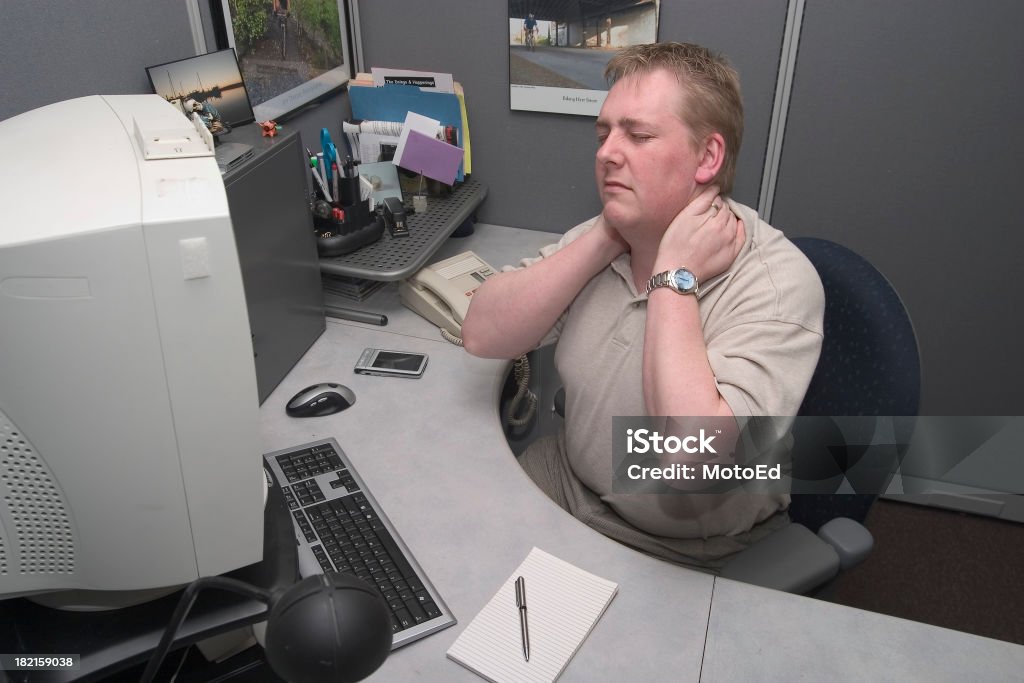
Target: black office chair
{"x":869,"y":366}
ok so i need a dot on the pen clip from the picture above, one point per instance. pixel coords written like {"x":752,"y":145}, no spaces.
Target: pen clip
{"x":521,"y":593}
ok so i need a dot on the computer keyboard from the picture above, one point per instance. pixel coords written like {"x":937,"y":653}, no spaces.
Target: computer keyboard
{"x":340,"y":527}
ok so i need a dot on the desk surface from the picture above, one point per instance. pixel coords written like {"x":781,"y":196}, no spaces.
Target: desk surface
{"x":433,"y":453}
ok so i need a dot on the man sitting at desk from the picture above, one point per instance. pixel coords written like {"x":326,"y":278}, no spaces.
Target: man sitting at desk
{"x":674,"y":301}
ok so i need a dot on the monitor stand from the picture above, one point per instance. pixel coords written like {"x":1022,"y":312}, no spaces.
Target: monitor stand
{"x":231,"y":154}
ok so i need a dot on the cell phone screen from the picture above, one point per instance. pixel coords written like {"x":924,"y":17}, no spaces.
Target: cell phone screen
{"x":391,"y":360}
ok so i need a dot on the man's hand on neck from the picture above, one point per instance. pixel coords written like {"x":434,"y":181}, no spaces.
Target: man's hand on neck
{"x":705,"y":237}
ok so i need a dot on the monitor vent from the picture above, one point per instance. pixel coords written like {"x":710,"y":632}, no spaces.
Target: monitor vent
{"x":42,"y":534}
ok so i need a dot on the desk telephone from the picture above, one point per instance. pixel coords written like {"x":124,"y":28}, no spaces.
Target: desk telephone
{"x":441,"y":293}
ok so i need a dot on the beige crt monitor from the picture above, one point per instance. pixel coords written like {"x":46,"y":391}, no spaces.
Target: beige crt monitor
{"x":130,"y":455}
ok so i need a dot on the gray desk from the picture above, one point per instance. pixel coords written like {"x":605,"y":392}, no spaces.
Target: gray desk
{"x":433,"y":453}
{"x":757,"y":634}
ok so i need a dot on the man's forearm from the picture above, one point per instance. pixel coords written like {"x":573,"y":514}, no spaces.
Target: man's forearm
{"x":512,"y":311}
{"x":677,"y":377}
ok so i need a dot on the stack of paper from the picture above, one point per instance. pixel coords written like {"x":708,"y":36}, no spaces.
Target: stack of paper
{"x":419,"y":151}
{"x":563,"y":605}
{"x":437,"y":97}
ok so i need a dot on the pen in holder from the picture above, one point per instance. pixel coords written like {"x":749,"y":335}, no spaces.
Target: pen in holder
{"x":346,"y":224}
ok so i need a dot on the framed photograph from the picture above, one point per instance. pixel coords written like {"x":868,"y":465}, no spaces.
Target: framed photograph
{"x":290,"y":52}
{"x":557,"y":51}
{"x":209,"y":85}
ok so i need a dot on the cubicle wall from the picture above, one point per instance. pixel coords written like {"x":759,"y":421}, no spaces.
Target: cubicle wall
{"x":904,"y":143}
{"x":540,"y":167}
{"x":54,"y":50}
{"x":901,"y":142}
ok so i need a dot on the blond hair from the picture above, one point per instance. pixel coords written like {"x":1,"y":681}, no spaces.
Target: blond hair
{"x":711,"y":87}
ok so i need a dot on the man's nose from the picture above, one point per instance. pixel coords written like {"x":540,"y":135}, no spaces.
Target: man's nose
{"x":609,"y":150}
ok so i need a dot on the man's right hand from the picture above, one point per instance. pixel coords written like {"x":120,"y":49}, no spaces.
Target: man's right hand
{"x":512,"y":311}
{"x":614,"y":243}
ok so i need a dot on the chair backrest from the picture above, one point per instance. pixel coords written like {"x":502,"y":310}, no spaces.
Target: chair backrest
{"x":869,"y":364}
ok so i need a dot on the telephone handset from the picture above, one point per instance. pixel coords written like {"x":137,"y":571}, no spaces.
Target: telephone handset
{"x":441,"y":292}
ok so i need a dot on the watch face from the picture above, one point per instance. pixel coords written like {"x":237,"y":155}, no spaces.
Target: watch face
{"x":684,"y":279}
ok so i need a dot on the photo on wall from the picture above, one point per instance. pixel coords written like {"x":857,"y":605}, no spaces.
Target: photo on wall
{"x":558,"y":50}
{"x":291,"y":52}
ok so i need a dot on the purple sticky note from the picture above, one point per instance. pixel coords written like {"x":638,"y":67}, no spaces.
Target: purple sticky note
{"x":431,"y":157}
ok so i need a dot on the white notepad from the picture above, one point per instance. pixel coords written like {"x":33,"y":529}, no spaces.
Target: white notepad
{"x":563,"y":605}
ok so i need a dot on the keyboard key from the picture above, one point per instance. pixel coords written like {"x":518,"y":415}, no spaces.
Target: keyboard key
{"x":431,"y":610}
{"x":404,"y":618}
{"x":322,"y":559}
{"x":418,"y":615}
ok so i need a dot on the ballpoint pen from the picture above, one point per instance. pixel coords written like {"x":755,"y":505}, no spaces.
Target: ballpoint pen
{"x":521,"y":604}
{"x":319,"y":180}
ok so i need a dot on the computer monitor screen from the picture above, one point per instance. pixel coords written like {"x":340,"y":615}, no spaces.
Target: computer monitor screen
{"x":213,"y":78}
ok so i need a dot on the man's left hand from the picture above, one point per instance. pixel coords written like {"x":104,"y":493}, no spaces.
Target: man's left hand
{"x":705,"y":237}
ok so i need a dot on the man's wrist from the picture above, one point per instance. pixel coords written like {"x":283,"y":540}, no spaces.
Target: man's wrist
{"x":679,"y":261}
{"x":679,"y":280}
{"x":611,"y":242}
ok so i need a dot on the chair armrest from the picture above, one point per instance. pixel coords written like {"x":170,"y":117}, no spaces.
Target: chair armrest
{"x":792,"y":559}
{"x":851,"y":541}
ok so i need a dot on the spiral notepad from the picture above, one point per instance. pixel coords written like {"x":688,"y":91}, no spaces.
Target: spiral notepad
{"x":564,"y":604}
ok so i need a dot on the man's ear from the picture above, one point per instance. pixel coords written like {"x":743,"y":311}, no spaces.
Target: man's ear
{"x":712,"y":156}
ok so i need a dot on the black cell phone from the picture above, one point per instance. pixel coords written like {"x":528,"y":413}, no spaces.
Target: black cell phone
{"x":387,"y":363}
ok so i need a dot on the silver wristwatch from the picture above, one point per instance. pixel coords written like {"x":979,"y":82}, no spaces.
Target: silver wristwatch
{"x":680,"y":281}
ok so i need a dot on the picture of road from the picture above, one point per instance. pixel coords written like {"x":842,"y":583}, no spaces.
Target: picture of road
{"x":279,"y":60}
{"x":283,"y":45}
{"x":556,"y":45}
{"x":558,"y":67}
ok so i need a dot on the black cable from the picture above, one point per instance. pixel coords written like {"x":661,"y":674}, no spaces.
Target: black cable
{"x":188,"y":597}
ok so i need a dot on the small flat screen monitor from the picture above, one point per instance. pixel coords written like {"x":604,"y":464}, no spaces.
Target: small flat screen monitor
{"x":213,"y":78}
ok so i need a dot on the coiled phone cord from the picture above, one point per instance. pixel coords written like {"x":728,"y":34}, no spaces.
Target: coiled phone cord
{"x":522,"y":375}
{"x":523,"y":393}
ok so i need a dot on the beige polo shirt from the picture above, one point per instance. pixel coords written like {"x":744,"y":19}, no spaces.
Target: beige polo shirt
{"x":762,"y":322}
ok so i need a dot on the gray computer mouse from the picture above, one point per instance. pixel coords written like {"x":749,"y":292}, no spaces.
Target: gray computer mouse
{"x":318,"y":400}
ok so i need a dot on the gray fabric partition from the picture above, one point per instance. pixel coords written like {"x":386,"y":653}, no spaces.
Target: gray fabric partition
{"x":900,"y":143}
{"x":540,"y":167}
{"x":903,"y":144}
{"x":54,"y":50}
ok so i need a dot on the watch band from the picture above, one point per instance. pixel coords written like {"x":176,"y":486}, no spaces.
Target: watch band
{"x":671,"y":279}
